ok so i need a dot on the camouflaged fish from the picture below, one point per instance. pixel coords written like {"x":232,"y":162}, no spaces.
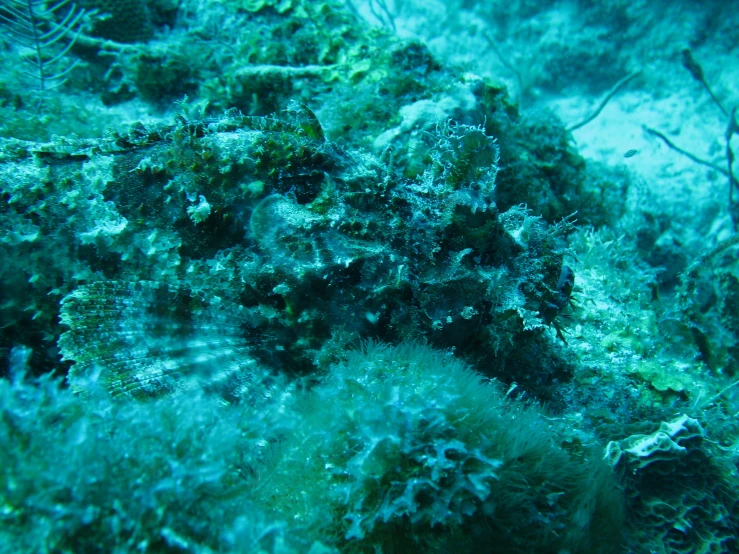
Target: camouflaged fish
{"x":149,"y":339}
{"x":270,"y":251}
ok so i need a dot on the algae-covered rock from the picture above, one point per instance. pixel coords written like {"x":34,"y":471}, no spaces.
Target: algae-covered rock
{"x":407,"y":450}
{"x":682,"y":493}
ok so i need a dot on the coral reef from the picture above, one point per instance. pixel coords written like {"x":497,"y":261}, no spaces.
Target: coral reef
{"x":278,"y":280}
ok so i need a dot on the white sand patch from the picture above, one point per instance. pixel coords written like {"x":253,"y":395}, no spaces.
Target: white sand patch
{"x":683,"y":187}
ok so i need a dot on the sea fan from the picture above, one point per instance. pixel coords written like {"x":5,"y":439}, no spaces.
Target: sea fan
{"x":47,"y":31}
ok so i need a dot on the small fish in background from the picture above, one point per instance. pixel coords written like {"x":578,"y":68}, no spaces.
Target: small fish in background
{"x":630,"y":153}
